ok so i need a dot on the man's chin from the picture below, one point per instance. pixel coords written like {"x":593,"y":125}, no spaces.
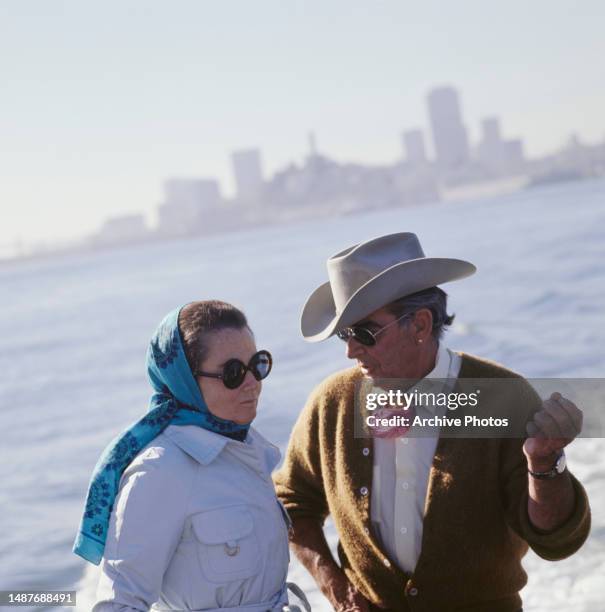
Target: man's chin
{"x":374,"y":375}
{"x":367,"y":371}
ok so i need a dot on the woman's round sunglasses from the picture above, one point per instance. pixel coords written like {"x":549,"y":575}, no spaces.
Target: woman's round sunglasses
{"x":234,"y":371}
{"x":365,"y":336}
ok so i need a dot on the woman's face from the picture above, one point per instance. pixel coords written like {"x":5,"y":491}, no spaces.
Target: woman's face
{"x":238,"y":405}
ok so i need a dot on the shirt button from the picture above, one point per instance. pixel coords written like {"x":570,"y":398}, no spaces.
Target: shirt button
{"x":366,"y":451}
{"x":413,"y":591}
{"x":404,"y":530}
{"x":364,"y":491}
{"x":405,"y":485}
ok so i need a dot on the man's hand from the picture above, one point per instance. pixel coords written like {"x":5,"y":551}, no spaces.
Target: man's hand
{"x":309,"y":544}
{"x":551,"y":429}
{"x":550,"y":502}
{"x":343,"y":596}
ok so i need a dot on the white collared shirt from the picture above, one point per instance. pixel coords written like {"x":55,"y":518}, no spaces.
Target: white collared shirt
{"x":400,"y":477}
{"x":196,"y":525}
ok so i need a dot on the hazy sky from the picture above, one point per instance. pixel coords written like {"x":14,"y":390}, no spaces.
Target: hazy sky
{"x":102,"y":100}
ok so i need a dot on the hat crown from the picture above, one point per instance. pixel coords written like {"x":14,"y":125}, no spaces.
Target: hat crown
{"x":355,"y":266}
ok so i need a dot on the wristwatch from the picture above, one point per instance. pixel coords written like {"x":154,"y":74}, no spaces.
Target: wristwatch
{"x":557,"y":468}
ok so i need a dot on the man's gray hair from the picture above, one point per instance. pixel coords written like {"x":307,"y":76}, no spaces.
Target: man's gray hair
{"x":434,"y":298}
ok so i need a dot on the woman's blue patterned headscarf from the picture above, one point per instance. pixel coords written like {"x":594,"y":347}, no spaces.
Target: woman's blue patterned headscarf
{"x":177,"y":401}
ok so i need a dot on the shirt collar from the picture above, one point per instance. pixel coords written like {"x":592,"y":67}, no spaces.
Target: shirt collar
{"x":442,"y":363}
{"x":439,"y":372}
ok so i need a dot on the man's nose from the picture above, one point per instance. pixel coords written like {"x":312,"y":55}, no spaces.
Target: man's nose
{"x":354,"y":348}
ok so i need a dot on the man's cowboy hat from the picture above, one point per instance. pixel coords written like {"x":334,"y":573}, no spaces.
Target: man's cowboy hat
{"x":370,"y":275}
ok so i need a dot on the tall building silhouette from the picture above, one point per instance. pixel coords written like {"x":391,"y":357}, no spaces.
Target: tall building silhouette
{"x":491,"y":149}
{"x":413,"y":147}
{"x":450,"y":138}
{"x":187,"y":205}
{"x":192,"y":192}
{"x":490,"y":129}
{"x":497,"y":155}
{"x":248,"y":173}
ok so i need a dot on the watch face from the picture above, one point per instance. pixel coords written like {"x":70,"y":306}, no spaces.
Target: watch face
{"x":561,"y":463}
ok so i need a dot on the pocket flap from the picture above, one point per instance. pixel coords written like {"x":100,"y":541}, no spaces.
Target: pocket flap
{"x":222,"y":525}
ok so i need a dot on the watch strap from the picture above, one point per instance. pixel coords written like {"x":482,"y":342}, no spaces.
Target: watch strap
{"x":549,"y":474}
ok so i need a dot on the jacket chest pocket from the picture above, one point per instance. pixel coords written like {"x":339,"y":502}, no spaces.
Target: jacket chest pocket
{"x":228,"y":547}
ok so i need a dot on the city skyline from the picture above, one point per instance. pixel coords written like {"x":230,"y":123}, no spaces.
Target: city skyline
{"x":106,"y":102}
{"x":434,"y":163}
{"x":321,"y":186}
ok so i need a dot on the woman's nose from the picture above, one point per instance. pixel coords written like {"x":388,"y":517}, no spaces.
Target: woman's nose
{"x":250,"y":381}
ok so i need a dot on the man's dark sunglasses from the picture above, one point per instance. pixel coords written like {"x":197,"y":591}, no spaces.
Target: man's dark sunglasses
{"x":365,"y":336}
{"x":234,"y":371}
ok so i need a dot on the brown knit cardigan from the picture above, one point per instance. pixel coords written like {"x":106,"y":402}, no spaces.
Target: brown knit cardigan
{"x":476,"y":528}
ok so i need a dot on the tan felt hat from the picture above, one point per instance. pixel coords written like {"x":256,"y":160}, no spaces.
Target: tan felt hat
{"x":370,"y":275}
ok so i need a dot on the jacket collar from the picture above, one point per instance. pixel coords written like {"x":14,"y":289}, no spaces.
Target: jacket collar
{"x":205,"y":446}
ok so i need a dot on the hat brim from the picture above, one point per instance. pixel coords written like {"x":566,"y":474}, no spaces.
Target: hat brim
{"x":319,"y":319}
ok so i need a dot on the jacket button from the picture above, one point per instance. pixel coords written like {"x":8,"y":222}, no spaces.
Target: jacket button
{"x":366,"y":451}
{"x":232,"y":548}
{"x":413,"y":591}
{"x":364,"y":491}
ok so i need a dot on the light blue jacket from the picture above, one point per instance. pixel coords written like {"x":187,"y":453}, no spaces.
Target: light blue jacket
{"x":196,"y":526}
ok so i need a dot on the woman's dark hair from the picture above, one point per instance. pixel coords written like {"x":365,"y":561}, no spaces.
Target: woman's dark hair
{"x":434,"y":298}
{"x":197,"y":319}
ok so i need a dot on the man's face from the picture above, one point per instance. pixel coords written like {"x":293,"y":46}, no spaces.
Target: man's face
{"x":395,"y":354}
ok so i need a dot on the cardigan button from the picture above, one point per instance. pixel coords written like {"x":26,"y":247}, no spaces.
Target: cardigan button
{"x":366,"y":451}
{"x":413,"y":592}
{"x":364,"y":491}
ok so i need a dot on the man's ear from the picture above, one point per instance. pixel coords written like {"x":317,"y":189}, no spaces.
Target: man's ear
{"x":423,"y":324}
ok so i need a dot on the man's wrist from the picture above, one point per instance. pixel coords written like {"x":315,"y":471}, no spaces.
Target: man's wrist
{"x":338,"y":589}
{"x":542,"y":463}
{"x":551,"y":470}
